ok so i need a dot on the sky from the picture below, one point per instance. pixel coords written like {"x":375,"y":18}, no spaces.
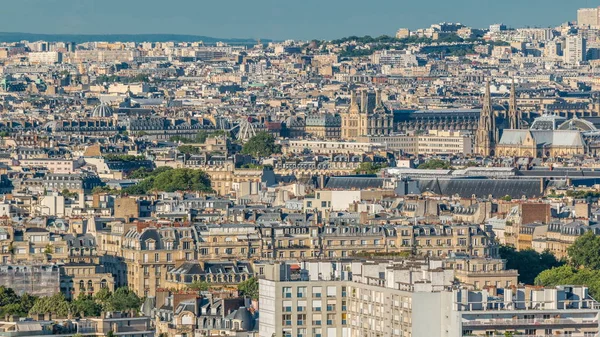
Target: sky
{"x":275,"y":19}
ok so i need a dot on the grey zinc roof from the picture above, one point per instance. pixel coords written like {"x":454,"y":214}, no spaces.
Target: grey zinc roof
{"x":516,"y":188}
{"x":354,"y":182}
{"x":513,"y":137}
{"x":543,"y":137}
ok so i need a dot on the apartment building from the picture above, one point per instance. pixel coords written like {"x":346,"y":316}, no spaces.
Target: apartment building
{"x":523,"y":311}
{"x":47,"y":57}
{"x":146,"y":256}
{"x":445,"y":142}
{"x":326,"y":148}
{"x":560,"y":236}
{"x":294,"y":306}
{"x":413,"y":298}
{"x":406,"y":143}
{"x":575,"y":50}
{"x":431,"y":142}
{"x":589,"y":17}
{"x":141,"y":254}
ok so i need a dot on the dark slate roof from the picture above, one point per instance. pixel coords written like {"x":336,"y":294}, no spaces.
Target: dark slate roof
{"x":516,"y":188}
{"x":560,"y":173}
{"x":354,"y":182}
{"x":585,"y":181}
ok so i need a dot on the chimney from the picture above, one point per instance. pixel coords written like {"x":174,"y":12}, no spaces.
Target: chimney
{"x":378,"y":97}
{"x":353,"y":98}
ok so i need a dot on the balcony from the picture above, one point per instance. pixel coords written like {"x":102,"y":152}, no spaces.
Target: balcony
{"x":528,"y":322}
{"x":517,"y":335}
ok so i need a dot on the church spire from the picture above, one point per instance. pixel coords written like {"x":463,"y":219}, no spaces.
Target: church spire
{"x":485,"y":138}
{"x":513,"y":114}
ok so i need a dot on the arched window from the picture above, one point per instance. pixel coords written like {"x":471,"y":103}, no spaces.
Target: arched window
{"x":103,"y":283}
{"x":90,"y":285}
{"x":81,"y":285}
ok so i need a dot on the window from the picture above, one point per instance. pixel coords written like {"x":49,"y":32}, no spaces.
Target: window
{"x":316,"y":305}
{"x":287,"y":306}
{"x":316,"y":292}
{"x":169,"y":257}
{"x":286,"y":319}
{"x":156,"y":257}
{"x":331,"y":291}
{"x":301,"y":293}
{"x":287,"y":292}
{"x":301,"y":319}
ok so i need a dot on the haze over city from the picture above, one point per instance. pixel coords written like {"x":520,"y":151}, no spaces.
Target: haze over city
{"x":274,"y":19}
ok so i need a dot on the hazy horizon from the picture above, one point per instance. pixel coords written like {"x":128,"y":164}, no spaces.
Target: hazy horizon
{"x":274,"y":19}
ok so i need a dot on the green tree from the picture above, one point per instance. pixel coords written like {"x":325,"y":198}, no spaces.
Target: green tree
{"x":568,"y":275}
{"x":140,"y":173}
{"x":172,"y":180}
{"x":7,"y":296}
{"x":68,"y":194}
{"x":261,"y":145}
{"x":123,"y":299}
{"x":199,"y":286}
{"x":434,"y":164}
{"x":123,"y":157}
{"x":26,"y":302}
{"x":55,"y":304}
{"x":182,"y":179}
{"x":201,"y":137}
{"x":103,"y":295}
{"x":585,"y":251}
{"x":85,"y":305}
{"x":249,"y":288}
{"x":188,"y":149}
{"x":369,"y":168}
{"x":528,"y":262}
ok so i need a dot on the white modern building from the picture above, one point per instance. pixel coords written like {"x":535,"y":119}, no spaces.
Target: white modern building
{"x":413,"y":299}
{"x":575,"y":50}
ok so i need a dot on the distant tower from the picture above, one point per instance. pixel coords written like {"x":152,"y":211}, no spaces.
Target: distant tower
{"x":513,"y":114}
{"x":485,"y":138}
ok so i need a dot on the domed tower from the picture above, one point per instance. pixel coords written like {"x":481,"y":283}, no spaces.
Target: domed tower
{"x":102,"y":111}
